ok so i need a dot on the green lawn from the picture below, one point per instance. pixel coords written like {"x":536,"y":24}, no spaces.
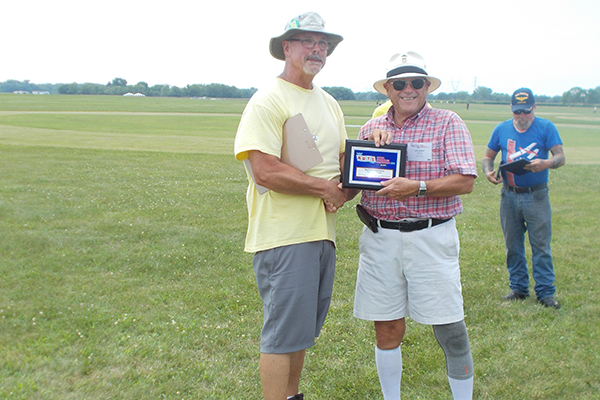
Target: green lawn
{"x":122,"y":223}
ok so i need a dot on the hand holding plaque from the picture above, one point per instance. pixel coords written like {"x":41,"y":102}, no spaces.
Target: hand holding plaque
{"x":366,"y":166}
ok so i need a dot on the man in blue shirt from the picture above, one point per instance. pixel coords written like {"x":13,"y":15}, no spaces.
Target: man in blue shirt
{"x":524,"y":201}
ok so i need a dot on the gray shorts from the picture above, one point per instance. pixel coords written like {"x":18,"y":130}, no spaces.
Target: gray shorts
{"x":295,"y":283}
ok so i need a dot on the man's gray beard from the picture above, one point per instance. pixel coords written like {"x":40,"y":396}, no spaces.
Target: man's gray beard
{"x":309,"y":71}
{"x":523,"y":125}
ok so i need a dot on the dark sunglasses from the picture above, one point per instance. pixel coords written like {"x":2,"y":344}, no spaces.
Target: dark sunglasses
{"x":518,"y":112}
{"x":415,"y":83}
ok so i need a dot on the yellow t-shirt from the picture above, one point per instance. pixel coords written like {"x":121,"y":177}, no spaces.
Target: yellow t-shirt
{"x":382,"y":109}
{"x":276,"y":219}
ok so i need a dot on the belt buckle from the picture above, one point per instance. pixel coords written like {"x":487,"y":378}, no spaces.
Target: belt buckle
{"x":404,"y":226}
{"x":417,"y":225}
{"x":525,"y":189}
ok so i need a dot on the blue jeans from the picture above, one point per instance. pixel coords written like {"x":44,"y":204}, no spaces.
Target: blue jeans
{"x":528,"y":212}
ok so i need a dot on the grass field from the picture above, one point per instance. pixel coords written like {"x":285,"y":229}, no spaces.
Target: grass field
{"x":122,"y":223}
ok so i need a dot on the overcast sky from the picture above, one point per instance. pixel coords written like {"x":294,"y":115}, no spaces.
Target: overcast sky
{"x":547,"y":45}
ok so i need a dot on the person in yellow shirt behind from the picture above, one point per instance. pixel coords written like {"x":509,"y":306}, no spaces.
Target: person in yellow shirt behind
{"x":382,"y":109}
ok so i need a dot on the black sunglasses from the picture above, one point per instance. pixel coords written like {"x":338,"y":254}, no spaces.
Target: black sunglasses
{"x":415,"y":83}
{"x":518,"y":112}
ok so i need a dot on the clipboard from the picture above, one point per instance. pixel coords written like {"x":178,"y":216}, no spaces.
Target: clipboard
{"x":516,"y":167}
{"x":261,"y":189}
{"x":299,"y":149}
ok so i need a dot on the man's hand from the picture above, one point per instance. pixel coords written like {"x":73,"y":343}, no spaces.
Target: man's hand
{"x":488,"y":166}
{"x":381,"y":137}
{"x":491,"y":176}
{"x":330,"y":208}
{"x":450,"y":185}
{"x":399,"y":188}
{"x":334,"y":197}
{"x":557,"y":160}
{"x":348,"y":193}
{"x":537,"y":165}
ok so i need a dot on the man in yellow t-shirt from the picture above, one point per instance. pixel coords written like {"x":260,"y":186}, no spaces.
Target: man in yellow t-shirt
{"x":291,"y":227}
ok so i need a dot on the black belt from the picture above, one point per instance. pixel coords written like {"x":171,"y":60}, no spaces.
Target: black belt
{"x":409,"y":226}
{"x":518,"y":189}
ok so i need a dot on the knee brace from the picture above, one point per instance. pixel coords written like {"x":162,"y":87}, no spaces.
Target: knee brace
{"x":454,"y":341}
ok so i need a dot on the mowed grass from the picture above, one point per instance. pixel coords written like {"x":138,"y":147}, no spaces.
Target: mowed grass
{"x":122,"y":224}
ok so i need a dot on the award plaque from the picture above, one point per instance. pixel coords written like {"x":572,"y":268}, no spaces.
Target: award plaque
{"x":366,"y":166}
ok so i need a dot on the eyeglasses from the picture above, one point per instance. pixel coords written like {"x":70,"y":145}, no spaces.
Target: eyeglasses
{"x":415,"y":83}
{"x":518,"y":112}
{"x":310,"y":43}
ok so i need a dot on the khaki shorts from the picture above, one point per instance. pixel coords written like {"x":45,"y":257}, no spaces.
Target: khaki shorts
{"x":412,"y":274}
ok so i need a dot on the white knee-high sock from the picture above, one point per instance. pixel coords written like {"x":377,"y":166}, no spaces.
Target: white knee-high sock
{"x":389,"y":369}
{"x":461,"y":389}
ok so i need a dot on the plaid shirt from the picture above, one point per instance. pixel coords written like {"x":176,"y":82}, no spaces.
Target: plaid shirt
{"x":451,"y":153}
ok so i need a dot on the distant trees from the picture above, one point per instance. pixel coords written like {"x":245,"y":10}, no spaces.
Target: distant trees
{"x":482,"y":93}
{"x":593,"y":96}
{"x":117,"y":82}
{"x":139,"y":87}
{"x":340,"y":93}
{"x":70,"y":88}
{"x":576,"y":96}
{"x":118,"y":86}
{"x":460,"y":96}
{"x":486,"y":95}
{"x":12,"y":85}
{"x":370,"y":96}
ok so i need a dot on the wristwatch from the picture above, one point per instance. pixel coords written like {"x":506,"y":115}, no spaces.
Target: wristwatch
{"x":422,"y":189}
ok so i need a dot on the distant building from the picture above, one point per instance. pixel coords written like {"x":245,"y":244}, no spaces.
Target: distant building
{"x":21,"y":92}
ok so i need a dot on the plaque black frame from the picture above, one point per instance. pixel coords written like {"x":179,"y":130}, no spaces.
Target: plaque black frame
{"x":375,"y":159}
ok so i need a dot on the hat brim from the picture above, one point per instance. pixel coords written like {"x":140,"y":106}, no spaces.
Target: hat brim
{"x":434,"y":82}
{"x":525,"y":107}
{"x":276,"y":44}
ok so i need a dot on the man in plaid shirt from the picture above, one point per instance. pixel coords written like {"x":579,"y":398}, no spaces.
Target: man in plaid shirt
{"x":408,"y":263}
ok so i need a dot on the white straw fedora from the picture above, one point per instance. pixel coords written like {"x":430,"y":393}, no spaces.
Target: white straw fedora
{"x":406,"y":65}
{"x":307,"y":22}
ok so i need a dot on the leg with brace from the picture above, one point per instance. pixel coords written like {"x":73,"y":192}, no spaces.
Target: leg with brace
{"x":454,"y":341}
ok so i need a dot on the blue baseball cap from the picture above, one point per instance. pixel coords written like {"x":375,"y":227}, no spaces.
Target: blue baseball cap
{"x":522,"y":99}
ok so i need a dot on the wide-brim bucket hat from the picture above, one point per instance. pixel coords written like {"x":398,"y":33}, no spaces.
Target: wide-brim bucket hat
{"x":307,"y":22}
{"x":406,"y":65}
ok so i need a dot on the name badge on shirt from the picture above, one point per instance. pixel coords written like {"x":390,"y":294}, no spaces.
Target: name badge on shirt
{"x":418,"y":152}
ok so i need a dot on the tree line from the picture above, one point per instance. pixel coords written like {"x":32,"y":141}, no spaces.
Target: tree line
{"x":119,"y":87}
